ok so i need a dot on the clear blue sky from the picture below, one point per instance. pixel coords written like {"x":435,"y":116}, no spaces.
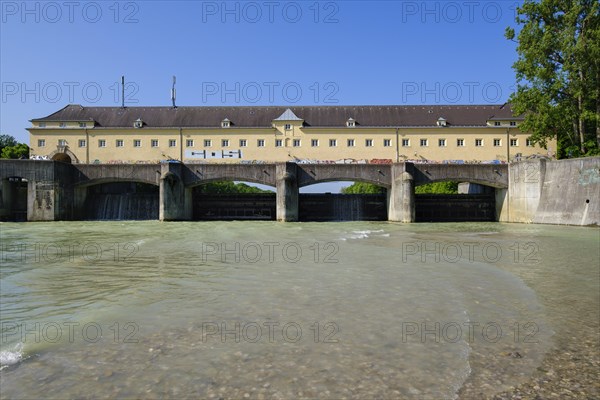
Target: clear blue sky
{"x":245,"y":53}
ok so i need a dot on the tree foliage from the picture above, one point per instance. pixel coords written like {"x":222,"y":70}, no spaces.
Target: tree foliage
{"x":229,"y":187}
{"x":10,"y":148}
{"x":20,"y":150}
{"x":363,"y":188}
{"x":448,"y":187}
{"x":7,"y":141}
{"x":558,"y":73}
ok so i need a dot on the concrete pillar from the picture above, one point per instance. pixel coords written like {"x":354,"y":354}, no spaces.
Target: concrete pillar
{"x":43,"y":198}
{"x":173,"y":194}
{"x":473,"y":188}
{"x":525,"y":182}
{"x":287,"y":192}
{"x":401,"y":196}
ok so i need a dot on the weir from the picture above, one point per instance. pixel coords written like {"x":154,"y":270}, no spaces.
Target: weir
{"x":523,"y":192}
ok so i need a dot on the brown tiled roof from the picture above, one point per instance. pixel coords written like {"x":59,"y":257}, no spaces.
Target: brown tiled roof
{"x":262,"y":116}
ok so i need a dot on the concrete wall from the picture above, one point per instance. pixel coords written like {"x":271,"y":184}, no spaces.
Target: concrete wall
{"x":570,"y":193}
{"x":565,"y":192}
{"x":524,"y":191}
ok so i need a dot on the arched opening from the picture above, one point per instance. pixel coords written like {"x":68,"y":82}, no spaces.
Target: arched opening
{"x":62,"y":157}
{"x":342,"y":201}
{"x":233,"y":200}
{"x":119,"y":201}
{"x":452,"y":201}
{"x":13,"y":199}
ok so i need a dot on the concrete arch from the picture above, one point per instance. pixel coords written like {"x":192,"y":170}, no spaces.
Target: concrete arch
{"x":493,"y":175}
{"x":102,"y":181}
{"x":64,"y":155}
{"x":377,"y":174}
{"x":263,"y":174}
{"x":91,"y":174}
{"x":200,"y":182}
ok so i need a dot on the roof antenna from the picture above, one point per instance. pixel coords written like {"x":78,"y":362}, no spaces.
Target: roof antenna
{"x":173,"y":93}
{"x":123,"y":91}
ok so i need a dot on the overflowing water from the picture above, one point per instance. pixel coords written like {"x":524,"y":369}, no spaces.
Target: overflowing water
{"x":297,"y":310}
{"x":122,"y":206}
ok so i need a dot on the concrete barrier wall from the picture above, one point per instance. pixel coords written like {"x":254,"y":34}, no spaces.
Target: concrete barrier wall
{"x":570,"y":193}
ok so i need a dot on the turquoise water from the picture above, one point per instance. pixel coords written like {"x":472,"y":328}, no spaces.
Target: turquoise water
{"x":298,"y":310}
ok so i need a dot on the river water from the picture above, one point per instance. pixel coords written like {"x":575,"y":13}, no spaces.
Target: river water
{"x":294,"y":310}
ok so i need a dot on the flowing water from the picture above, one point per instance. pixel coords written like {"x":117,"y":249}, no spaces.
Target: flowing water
{"x":297,"y":310}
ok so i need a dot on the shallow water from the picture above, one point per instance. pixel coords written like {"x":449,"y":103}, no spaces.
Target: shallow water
{"x":264,"y":309}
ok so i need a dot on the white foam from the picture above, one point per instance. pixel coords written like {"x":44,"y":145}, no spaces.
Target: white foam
{"x":11,"y":357}
{"x":362,"y":234}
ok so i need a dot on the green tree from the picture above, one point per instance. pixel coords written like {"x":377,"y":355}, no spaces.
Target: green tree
{"x":558,"y":72}
{"x":20,"y":150}
{"x":363,"y":188}
{"x":448,"y":187}
{"x":7,"y":141}
{"x":229,"y":187}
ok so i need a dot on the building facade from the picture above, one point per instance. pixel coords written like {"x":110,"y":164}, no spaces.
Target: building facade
{"x":463,"y":133}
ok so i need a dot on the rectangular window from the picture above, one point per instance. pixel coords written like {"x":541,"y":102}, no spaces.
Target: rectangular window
{"x":478,"y":142}
{"x":460,"y":142}
{"x":513,"y":123}
{"x":497,"y":123}
{"x":189,"y":143}
{"x":82,"y":143}
{"x":369,"y":142}
{"x":225,"y":143}
{"x":423,"y":142}
{"x":296,"y":143}
{"x":42,"y":125}
{"x":442,"y":142}
{"x":62,"y":125}
{"x":497,"y":142}
{"x":172,"y":142}
{"x":260,"y":142}
{"x":41,"y":143}
{"x":207,"y":142}
{"x":101,"y":143}
{"x":82,"y":124}
{"x":514,"y":142}
{"x":350,"y":142}
{"x":387,"y":143}
{"x":528,"y":143}
{"x":288,"y":127}
{"x":332,"y":142}
{"x":405,"y":142}
{"x":243,"y":143}
{"x":119,"y":143}
{"x":154,"y":143}
{"x":137,"y":143}
{"x":314,"y":142}
{"x":278,"y":143}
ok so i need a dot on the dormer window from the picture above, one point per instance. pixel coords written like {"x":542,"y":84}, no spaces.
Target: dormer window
{"x":497,"y":123}
{"x":225,"y":123}
{"x":350,"y":123}
{"x":82,"y":125}
{"x":42,"y":125}
{"x":138,"y":123}
{"x":441,"y":121}
{"x":287,"y":127}
{"x":62,"y":125}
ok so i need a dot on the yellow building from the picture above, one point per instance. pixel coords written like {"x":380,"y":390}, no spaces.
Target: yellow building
{"x":463,"y":133}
